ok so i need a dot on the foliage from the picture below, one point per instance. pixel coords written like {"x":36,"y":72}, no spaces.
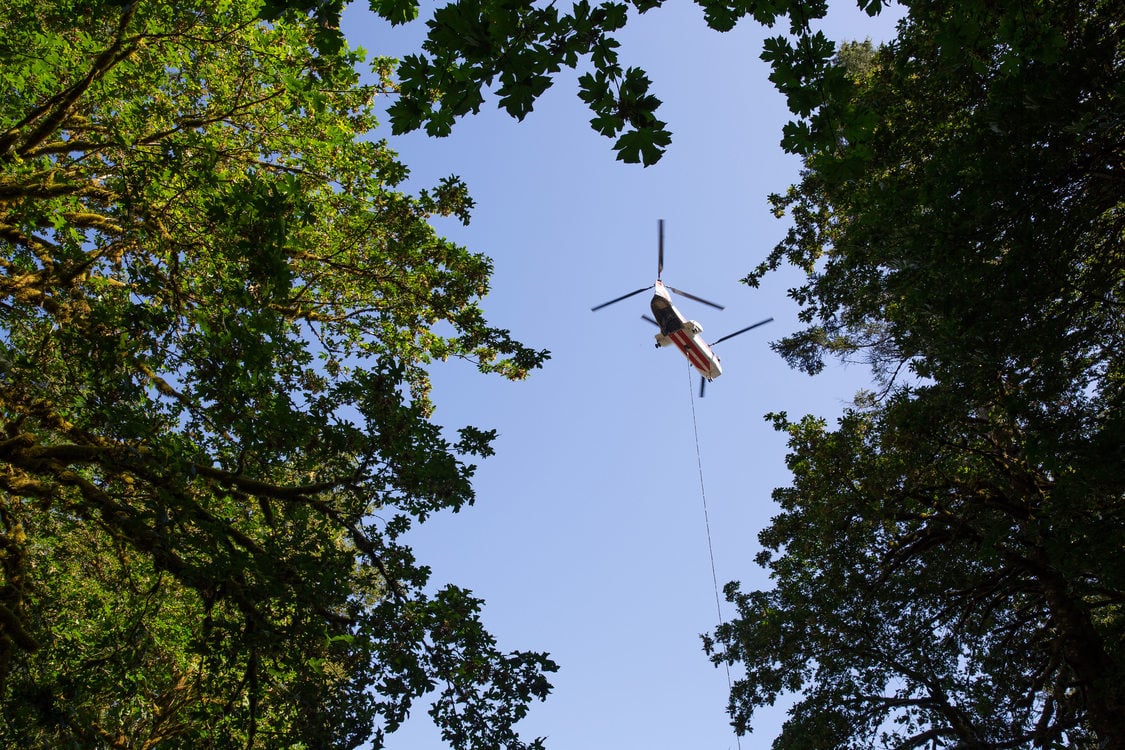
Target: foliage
{"x":216,"y":311}
{"x":472,"y":44}
{"x":933,"y":585}
{"x":519,"y":46}
{"x":948,"y":560}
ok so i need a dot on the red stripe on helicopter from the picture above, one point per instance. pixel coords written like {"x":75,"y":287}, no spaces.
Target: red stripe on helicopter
{"x":687,"y":346}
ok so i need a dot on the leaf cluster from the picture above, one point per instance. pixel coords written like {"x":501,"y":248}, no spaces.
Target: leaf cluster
{"x":518,"y":47}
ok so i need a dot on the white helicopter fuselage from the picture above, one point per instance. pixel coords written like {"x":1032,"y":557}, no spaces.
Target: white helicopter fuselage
{"x":684,"y":334}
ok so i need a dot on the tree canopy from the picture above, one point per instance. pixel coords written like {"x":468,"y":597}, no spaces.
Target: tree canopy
{"x":514,"y":49}
{"x":948,"y":559}
{"x":216,"y":313}
{"x":217,"y":308}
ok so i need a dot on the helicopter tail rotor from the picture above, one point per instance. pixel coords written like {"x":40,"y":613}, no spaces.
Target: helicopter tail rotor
{"x":741,"y":331}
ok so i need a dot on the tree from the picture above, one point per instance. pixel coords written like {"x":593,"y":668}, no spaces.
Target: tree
{"x":216,"y":314}
{"x":948,"y":560}
{"x":927,"y":593}
{"x":517,"y":48}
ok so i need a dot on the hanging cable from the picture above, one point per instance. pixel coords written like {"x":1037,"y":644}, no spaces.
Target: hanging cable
{"x":707,"y":524}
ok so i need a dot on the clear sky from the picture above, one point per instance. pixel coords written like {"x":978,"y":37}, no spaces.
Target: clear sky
{"x":588,"y":539}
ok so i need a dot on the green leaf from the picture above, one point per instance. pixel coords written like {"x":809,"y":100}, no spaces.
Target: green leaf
{"x":397,"y":12}
{"x":645,"y":146}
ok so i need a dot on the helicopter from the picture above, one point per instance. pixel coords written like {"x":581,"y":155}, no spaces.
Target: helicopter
{"x":675,"y":329}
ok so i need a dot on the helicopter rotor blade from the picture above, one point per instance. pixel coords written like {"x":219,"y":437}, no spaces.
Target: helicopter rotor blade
{"x":595,"y":308}
{"x":660,"y":248}
{"x":650,"y":320}
{"x":744,"y":330}
{"x":697,"y":299}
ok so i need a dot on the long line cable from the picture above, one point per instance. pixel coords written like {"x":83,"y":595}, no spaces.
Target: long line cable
{"x":707,"y":524}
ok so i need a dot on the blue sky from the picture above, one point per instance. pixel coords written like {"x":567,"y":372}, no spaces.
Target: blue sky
{"x":588,"y":539}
